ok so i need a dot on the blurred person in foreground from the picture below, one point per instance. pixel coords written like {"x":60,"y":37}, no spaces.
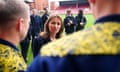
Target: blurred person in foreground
{"x":80,"y":20}
{"x":96,"y":49}
{"x":53,"y":29}
{"x":14,"y":23}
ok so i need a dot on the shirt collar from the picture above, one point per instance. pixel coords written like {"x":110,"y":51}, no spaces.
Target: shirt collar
{"x":8,"y":44}
{"x":109,"y":18}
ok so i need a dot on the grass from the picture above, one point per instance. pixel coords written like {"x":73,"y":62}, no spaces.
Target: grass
{"x":90,"y":21}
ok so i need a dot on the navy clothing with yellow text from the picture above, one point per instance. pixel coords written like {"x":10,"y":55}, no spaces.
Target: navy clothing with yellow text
{"x":96,"y":49}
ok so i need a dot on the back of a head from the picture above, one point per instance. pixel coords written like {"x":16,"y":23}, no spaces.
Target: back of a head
{"x":104,"y":7}
{"x":11,"y":10}
{"x":80,"y":12}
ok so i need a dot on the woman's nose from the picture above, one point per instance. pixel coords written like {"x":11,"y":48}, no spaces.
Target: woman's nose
{"x":56,"y":25}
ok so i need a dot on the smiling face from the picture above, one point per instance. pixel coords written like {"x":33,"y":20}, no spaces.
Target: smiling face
{"x":54,"y":25}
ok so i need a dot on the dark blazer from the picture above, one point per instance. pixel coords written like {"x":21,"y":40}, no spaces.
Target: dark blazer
{"x":36,"y":25}
{"x":25,"y":44}
{"x":71,"y":28}
{"x":80,"y":19}
{"x":37,"y":43}
{"x":44,"y":18}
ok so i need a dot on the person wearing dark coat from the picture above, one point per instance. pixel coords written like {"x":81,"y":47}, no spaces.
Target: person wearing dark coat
{"x":36,"y":24}
{"x":80,"y":20}
{"x":45,"y":16}
{"x":25,"y":44}
{"x":37,"y":43}
{"x":53,"y":30}
{"x":69,"y":23}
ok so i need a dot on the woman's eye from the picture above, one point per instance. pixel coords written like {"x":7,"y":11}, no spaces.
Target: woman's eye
{"x":58,"y":23}
{"x":55,"y":23}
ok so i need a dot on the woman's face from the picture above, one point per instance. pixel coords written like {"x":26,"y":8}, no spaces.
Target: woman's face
{"x":54,"y":25}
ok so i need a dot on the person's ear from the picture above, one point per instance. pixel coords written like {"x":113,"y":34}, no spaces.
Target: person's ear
{"x":19,"y":24}
{"x":92,"y":1}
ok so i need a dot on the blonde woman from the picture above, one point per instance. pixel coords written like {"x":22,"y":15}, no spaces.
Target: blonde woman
{"x":53,"y":29}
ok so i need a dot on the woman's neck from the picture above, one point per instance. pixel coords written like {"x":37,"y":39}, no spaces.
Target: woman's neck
{"x":52,"y":37}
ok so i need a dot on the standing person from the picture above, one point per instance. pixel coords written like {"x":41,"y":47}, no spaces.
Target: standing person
{"x":36,"y":24}
{"x":24,"y":45}
{"x":80,"y":20}
{"x":69,"y":22}
{"x":45,"y":16}
{"x":53,"y":29}
{"x":96,"y":49}
{"x":14,"y":23}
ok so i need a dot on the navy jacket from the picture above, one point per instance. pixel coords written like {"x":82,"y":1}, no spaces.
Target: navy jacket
{"x":36,"y":25}
{"x":69,"y":28}
{"x":44,"y":18}
{"x":80,"y":19}
{"x":37,"y":43}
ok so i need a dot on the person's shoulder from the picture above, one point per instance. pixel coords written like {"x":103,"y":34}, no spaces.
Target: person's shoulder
{"x":39,"y":38}
{"x":31,"y":15}
{"x":84,"y":16}
{"x":4,"y":48}
{"x":84,"y":42}
{"x":68,"y":44}
{"x":9,"y":56}
{"x":76,"y":16}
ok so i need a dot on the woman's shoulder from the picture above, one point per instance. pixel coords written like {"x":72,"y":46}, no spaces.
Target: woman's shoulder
{"x":39,"y":38}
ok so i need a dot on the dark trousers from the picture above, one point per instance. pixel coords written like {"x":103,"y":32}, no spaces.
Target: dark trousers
{"x":24,"y":48}
{"x":35,"y":50}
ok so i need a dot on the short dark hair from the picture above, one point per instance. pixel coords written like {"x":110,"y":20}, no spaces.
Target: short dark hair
{"x":45,"y":8}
